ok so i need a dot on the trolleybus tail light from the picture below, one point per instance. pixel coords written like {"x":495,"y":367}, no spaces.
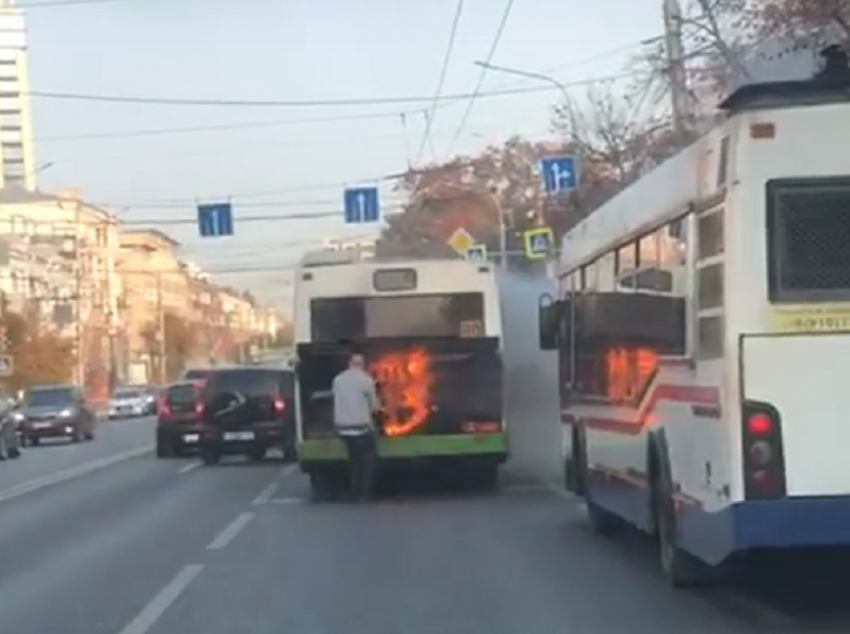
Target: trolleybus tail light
{"x":763,"y":458}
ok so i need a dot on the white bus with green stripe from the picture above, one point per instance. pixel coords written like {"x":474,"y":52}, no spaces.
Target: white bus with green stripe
{"x":431,"y":333}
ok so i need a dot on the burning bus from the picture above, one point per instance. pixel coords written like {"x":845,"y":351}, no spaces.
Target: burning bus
{"x":431,"y":334}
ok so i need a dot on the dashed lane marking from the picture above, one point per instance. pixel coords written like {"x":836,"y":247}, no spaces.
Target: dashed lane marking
{"x":270,"y":489}
{"x":164,"y":599}
{"x":188,"y":468}
{"x":229,"y":532}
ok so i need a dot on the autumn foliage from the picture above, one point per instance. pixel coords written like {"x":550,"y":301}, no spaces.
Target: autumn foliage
{"x":181,"y":342}
{"x":40,"y":356}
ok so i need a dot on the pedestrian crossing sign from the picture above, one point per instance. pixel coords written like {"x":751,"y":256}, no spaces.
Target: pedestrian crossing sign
{"x":477,"y":253}
{"x":538,"y":243}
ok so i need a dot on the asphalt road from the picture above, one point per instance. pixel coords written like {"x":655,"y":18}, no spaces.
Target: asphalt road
{"x":147,"y":546}
{"x":167,"y":547}
{"x":56,"y":460}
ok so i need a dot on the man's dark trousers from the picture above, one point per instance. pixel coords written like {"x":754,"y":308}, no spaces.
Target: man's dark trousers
{"x":362,"y":451}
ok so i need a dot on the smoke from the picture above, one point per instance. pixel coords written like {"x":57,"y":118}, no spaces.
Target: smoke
{"x":531,"y":380}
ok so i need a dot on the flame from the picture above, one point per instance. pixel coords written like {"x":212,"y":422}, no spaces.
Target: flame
{"x":405,"y":380}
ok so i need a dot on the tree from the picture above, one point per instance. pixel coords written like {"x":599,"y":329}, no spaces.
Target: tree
{"x":618,"y":138}
{"x":799,"y":19}
{"x":40,"y":356}
{"x":181,"y":342}
{"x":470,"y":192}
{"x":284,"y":336}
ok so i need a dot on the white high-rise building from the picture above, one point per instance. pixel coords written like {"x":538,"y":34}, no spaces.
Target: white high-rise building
{"x":17,"y":159}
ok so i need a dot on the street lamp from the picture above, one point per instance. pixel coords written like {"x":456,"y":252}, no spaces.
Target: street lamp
{"x":528,"y":74}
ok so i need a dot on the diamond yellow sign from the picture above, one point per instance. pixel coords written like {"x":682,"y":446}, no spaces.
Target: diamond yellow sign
{"x":461,"y":240}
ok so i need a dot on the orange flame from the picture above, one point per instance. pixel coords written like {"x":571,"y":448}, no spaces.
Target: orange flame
{"x":405,"y":380}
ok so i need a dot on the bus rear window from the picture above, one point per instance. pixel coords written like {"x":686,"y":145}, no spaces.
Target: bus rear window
{"x":808,"y":231}
{"x":446,"y":315}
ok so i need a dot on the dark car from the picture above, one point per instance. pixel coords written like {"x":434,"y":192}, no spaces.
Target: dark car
{"x":55,"y":411}
{"x":9,"y":441}
{"x":247,"y":410}
{"x":179,"y":419}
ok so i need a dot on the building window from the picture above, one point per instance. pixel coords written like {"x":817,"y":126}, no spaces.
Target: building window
{"x":12,"y":152}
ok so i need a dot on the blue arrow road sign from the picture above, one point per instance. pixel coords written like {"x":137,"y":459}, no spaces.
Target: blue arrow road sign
{"x":538,"y":243}
{"x":559,"y":173}
{"x":477,"y":253}
{"x":215,"y":219}
{"x":361,"y":205}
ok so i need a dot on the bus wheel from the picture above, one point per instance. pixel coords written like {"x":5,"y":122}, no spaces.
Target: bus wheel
{"x":574,"y":465}
{"x":486,"y":476}
{"x":602,"y":522}
{"x":680,"y":568}
{"x":325,"y":485}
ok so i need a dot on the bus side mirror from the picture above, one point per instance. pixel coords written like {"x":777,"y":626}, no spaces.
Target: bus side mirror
{"x":547,"y":322}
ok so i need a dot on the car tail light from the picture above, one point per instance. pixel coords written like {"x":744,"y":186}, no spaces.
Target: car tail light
{"x":764,"y":461}
{"x":279,"y":405}
{"x":163,"y":408}
{"x":199,"y":408}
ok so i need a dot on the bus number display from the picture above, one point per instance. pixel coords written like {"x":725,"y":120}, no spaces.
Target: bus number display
{"x":471,"y":328}
{"x":393,"y":280}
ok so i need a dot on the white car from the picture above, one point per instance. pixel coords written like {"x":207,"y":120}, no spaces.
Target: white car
{"x":128,"y":403}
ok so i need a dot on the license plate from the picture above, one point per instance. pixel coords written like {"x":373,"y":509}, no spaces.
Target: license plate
{"x":191,"y":438}
{"x":42,"y":425}
{"x":239,"y":435}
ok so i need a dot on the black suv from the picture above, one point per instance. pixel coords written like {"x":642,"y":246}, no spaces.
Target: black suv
{"x":179,"y":421}
{"x":247,"y":410}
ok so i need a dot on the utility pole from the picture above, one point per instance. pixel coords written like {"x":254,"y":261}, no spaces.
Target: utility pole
{"x":162,"y":348}
{"x":80,"y":275}
{"x":677,"y":78}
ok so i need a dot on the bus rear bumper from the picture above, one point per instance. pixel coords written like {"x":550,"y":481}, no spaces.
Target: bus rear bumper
{"x":796,"y":522}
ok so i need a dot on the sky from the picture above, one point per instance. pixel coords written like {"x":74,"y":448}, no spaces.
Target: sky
{"x":147,"y":163}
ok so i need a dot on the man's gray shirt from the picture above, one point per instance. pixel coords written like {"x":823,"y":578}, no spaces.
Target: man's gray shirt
{"x":355,"y":401}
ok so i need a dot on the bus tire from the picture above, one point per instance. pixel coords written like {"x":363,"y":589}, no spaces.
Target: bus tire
{"x":575,"y":464}
{"x":602,"y":522}
{"x":325,"y":485}
{"x":681,"y":569}
{"x":486,"y":476}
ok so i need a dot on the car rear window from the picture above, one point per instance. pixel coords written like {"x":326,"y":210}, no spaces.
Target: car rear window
{"x":184,"y":393}
{"x":195,"y":374}
{"x":253,"y":381}
{"x":128,"y":394}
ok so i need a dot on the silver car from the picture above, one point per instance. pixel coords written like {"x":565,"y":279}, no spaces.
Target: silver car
{"x":10,"y":446}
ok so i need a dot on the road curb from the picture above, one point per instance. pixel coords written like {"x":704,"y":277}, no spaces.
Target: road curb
{"x":71,"y":473}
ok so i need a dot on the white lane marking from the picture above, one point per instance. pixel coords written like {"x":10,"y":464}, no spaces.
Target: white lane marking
{"x":188,"y":468}
{"x":69,"y":474}
{"x":266,"y":494}
{"x":230,"y":531}
{"x":164,"y":599}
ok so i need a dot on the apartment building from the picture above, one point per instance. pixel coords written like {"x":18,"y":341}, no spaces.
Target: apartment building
{"x":154,"y":283}
{"x":57,"y":258}
{"x":17,"y":157}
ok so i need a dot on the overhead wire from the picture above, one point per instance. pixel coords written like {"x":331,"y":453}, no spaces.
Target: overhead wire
{"x":87,"y":136}
{"x":66,"y":3}
{"x":242,"y":219}
{"x":309,"y":103}
{"x":429,"y":116}
{"x":490,"y":55}
{"x":143,"y":132}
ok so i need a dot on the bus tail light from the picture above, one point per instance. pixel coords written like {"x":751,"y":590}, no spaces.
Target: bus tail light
{"x":764,"y":461}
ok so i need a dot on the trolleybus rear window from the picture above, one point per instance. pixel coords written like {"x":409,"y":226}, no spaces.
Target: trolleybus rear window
{"x":445,"y":315}
{"x":808,"y":222}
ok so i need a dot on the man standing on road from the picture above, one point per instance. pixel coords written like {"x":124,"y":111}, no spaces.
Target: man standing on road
{"x":355,"y":406}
